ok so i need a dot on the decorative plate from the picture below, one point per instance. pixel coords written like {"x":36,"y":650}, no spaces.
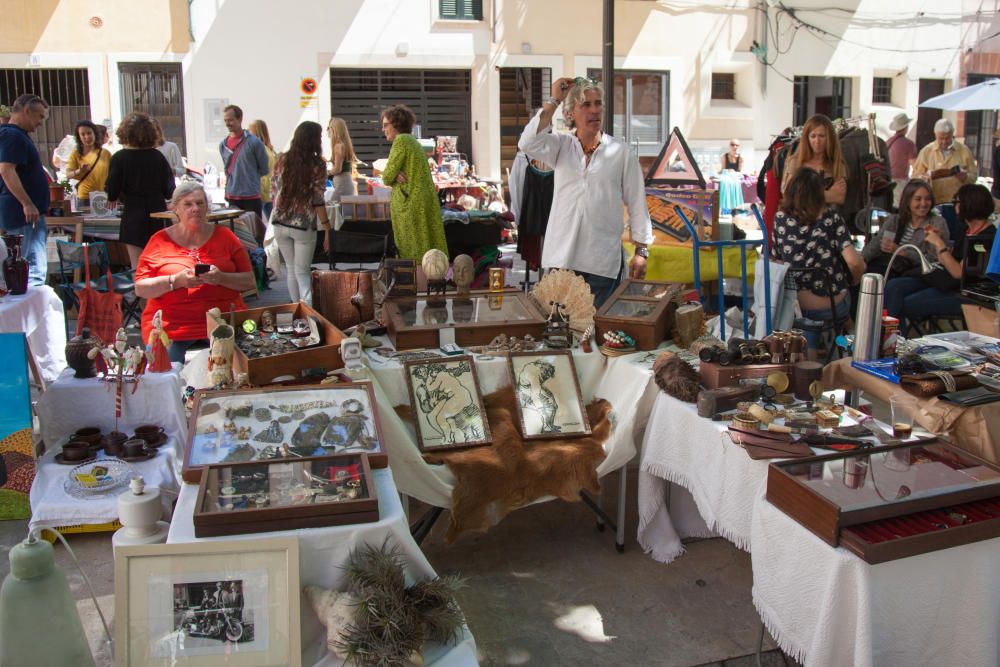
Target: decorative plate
{"x":98,"y":476}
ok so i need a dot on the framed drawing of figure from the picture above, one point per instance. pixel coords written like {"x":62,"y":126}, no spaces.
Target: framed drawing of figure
{"x":447,"y":407}
{"x":549,"y":402}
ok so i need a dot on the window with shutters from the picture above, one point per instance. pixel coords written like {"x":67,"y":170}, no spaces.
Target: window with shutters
{"x":461,"y":10}
{"x":881,"y":90}
{"x":723,"y":86}
{"x":641,"y":108}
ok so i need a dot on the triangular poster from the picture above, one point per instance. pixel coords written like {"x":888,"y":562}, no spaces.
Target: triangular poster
{"x":675,"y":165}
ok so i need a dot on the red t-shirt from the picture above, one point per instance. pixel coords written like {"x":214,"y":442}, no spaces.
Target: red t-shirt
{"x":184,"y":308}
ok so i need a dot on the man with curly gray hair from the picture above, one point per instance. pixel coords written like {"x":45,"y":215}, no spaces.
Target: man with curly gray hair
{"x":597,"y":177}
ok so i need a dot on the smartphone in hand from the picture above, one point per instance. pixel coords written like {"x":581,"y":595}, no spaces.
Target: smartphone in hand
{"x":201,"y":268}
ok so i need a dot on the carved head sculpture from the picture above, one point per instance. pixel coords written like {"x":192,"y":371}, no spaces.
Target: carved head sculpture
{"x":464,"y":270}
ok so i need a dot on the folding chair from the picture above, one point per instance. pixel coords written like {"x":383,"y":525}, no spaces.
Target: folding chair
{"x":71,"y":259}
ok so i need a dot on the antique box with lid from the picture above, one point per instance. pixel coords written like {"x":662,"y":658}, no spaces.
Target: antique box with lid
{"x":643,"y":309}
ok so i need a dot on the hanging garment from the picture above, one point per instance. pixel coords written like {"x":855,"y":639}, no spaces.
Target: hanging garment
{"x":536,"y":202}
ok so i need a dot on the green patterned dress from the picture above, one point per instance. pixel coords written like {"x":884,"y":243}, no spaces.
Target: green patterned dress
{"x":416,"y":212}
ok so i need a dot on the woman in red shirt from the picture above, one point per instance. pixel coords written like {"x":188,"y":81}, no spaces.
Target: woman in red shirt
{"x":188,"y":268}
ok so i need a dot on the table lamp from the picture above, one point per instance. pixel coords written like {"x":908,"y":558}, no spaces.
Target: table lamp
{"x":36,"y":592}
{"x":868,"y":320}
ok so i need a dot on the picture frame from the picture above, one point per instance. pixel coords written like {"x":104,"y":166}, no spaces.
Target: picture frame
{"x":448,"y":411}
{"x":547,"y":395}
{"x":207,"y":602}
{"x":286,"y":422}
{"x":285,"y":494}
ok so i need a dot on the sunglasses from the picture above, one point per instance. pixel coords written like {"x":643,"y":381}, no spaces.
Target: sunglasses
{"x":735,"y":145}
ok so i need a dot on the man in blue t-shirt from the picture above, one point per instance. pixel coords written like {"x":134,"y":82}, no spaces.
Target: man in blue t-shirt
{"x":24,"y":187}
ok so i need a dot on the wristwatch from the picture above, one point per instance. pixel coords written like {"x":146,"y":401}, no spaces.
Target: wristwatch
{"x":642,"y":251}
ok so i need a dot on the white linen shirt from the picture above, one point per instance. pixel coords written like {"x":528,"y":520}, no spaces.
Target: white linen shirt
{"x":588,"y":206}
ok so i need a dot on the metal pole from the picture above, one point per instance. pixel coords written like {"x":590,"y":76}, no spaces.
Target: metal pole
{"x":608,"y":66}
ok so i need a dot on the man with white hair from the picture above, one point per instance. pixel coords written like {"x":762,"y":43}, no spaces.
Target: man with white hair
{"x":947,"y":164}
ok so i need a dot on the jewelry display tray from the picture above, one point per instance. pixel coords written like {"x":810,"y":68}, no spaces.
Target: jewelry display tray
{"x":891,"y":502}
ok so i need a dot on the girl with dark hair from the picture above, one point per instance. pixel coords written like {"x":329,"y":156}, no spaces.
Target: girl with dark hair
{"x":414,"y":206}
{"x":141,"y":179}
{"x":935,"y":294}
{"x":810,"y":235}
{"x":911,"y":225}
{"x":297,"y":187}
{"x":88,"y":163}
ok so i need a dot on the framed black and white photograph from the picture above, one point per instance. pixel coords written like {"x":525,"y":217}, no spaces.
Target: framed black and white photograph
{"x":547,"y":393}
{"x":193,"y":604}
{"x":448,"y":409}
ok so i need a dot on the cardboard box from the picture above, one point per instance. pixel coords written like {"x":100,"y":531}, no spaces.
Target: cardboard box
{"x":263,"y":370}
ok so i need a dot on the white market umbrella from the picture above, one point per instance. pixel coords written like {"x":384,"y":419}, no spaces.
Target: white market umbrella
{"x":978,"y":97}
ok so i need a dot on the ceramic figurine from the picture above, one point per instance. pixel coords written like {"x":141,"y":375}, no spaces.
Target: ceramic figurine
{"x":220,"y":356}
{"x":463,"y":271}
{"x":156,"y":346}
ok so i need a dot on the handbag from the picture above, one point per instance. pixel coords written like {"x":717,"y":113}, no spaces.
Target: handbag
{"x":929,"y":385}
{"x":101,"y":312}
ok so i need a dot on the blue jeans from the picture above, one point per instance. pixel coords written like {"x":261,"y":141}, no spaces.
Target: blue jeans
{"x":179,"y":348}
{"x":33,"y":250}
{"x":909,"y":298}
{"x":824,"y":315}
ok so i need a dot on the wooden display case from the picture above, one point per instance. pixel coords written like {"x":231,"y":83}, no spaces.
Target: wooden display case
{"x":713,"y":375}
{"x":416,"y":322}
{"x":891,"y":502}
{"x":262,"y":370}
{"x":643,"y":309}
{"x":261,"y":496}
{"x":291,"y":422}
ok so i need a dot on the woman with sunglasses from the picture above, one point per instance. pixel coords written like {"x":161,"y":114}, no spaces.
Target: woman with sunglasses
{"x":732,"y":160}
{"x":597,"y":178}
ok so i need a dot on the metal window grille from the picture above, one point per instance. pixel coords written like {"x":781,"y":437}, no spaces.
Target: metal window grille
{"x":881,"y":90}
{"x":461,"y":10}
{"x":441,"y":100}
{"x":723,"y":86}
{"x":66,"y":90}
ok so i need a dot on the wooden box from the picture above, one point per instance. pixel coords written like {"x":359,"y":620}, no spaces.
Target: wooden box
{"x":416,"y":322}
{"x":643,"y":309}
{"x":258,"y":424}
{"x":261,"y":496}
{"x":714,"y":375}
{"x":891,"y":502}
{"x":263,"y":370}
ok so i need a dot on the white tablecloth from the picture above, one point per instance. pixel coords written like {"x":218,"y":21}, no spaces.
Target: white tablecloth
{"x":38,"y":313}
{"x":52,"y":506}
{"x":625,"y":381}
{"x":322,"y":552}
{"x":823,"y":605}
{"x":70,"y":403}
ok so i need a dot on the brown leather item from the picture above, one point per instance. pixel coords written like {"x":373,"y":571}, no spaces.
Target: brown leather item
{"x":928,"y":385}
{"x":768,"y":444}
{"x":332,"y":292}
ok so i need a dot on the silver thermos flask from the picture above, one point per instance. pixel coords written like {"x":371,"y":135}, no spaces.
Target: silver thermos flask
{"x":868,"y":320}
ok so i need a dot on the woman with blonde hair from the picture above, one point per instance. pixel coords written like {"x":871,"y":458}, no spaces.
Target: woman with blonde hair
{"x":343,"y":159}
{"x":819,"y":150}
{"x":258,"y":128}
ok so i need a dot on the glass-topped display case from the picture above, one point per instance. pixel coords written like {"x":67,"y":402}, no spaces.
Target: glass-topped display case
{"x":643,"y":309}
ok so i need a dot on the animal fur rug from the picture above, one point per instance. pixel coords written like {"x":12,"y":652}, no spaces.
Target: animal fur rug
{"x":492,"y":481}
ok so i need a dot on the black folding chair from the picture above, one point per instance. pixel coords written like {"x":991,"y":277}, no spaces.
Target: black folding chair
{"x":72,"y":265}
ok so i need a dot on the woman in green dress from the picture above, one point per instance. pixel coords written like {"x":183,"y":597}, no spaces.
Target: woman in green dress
{"x":414,"y":206}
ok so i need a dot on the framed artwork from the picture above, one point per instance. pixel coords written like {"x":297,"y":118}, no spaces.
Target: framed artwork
{"x":549,"y":402}
{"x":207,"y":603}
{"x":447,"y":406}
{"x":293,"y":422}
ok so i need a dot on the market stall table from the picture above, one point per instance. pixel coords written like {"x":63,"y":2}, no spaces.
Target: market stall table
{"x":675,"y":264}
{"x":823,"y":605}
{"x":323,"y":552}
{"x":975,"y":429}
{"x":38,"y":313}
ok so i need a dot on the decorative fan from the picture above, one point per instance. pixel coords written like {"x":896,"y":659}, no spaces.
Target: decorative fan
{"x":565,"y":287}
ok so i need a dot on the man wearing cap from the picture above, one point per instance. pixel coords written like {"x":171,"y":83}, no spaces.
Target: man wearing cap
{"x":902,"y":153}
{"x":946,"y":163}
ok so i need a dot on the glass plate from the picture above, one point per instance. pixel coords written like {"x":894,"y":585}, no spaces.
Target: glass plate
{"x":98,"y":476}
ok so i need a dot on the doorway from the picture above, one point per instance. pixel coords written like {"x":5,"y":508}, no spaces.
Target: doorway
{"x":828,"y":95}
{"x":155,"y":89}
{"x":926,"y":118}
{"x":522,"y":91}
{"x":979,"y":128}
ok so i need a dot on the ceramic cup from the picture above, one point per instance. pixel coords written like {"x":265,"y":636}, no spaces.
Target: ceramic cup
{"x":113,"y":443}
{"x":89,"y":434}
{"x":75,"y":450}
{"x":134,"y":447}
{"x":149,"y":432}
